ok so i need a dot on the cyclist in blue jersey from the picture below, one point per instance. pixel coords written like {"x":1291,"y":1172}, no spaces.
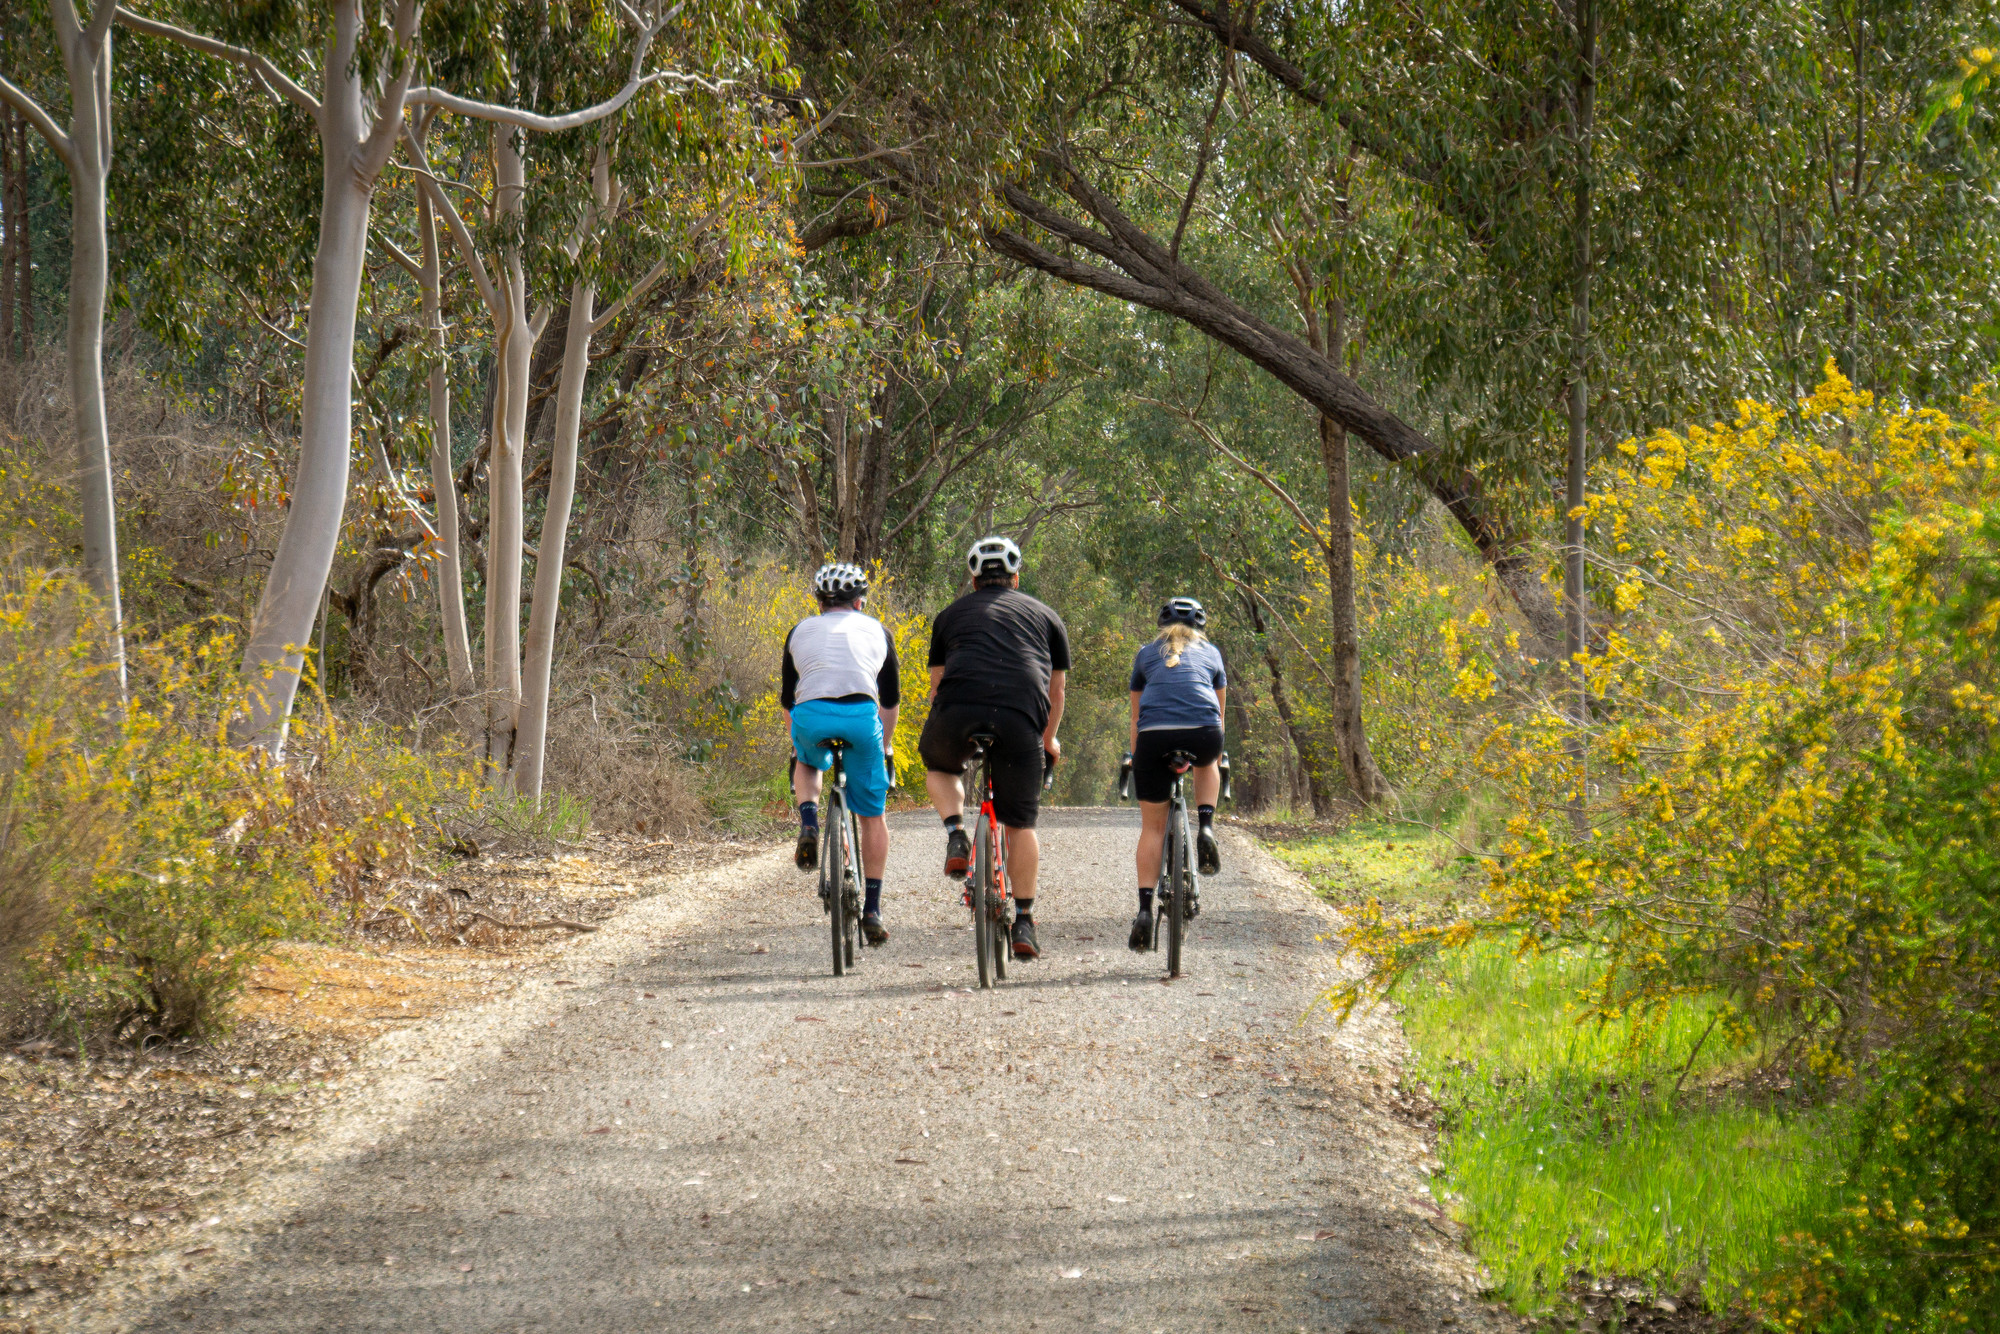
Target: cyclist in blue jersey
{"x":840,"y":681}
{"x":1178,"y":687}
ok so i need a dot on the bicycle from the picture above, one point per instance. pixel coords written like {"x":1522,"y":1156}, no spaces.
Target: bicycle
{"x":839,"y":862}
{"x":1177,"y":890}
{"x":986,"y":888}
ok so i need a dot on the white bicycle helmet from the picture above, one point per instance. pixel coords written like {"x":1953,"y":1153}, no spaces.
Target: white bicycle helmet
{"x":840,"y":582}
{"x":993,"y":558}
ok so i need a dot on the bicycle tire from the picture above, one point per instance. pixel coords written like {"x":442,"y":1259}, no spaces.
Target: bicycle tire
{"x":982,"y":916}
{"x":857,"y":873}
{"x":1163,"y":885}
{"x":832,"y":824}
{"x":1002,"y":942}
{"x":1178,"y":873}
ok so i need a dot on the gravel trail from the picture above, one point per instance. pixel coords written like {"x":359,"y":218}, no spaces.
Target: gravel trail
{"x":693,"y":1126}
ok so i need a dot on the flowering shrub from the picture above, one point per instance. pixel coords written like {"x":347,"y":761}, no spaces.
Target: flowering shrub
{"x":145,"y":863}
{"x":1785,"y":805}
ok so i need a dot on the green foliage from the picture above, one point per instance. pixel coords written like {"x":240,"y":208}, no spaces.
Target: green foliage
{"x":1637,"y":1146}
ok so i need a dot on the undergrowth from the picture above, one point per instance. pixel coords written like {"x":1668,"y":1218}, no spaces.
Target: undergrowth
{"x":1647,"y":1148}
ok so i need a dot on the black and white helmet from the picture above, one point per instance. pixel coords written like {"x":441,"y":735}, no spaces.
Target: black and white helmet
{"x":1183,"y":611}
{"x":993,"y":557}
{"x":840,"y":582}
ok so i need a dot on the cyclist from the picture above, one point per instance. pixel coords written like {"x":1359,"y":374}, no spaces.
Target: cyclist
{"x":998,"y":663}
{"x":840,"y":682}
{"x":1178,"y":687}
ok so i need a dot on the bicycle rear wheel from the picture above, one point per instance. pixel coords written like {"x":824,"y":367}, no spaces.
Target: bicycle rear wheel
{"x":853,"y":880}
{"x":833,"y":875}
{"x":982,"y":913}
{"x":1177,"y":876}
{"x":1002,"y":942}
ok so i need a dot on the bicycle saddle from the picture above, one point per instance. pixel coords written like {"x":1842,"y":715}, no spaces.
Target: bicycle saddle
{"x":1179,"y":761}
{"x":982,"y":740}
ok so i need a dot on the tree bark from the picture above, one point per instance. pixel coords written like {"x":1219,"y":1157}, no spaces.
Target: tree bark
{"x":1281,"y":698}
{"x":12,"y":214}
{"x":85,"y":150}
{"x":444,"y":478}
{"x":531,"y":753}
{"x":505,"y":524}
{"x":1575,"y":624}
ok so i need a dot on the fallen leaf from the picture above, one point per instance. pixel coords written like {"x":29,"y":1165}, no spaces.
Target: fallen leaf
{"x":917,"y":1161}
{"x":465,"y":1269}
{"x":601,"y":1130}
{"x":807,"y":1019}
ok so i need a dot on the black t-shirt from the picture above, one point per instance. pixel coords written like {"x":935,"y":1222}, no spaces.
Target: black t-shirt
{"x":997,"y":647}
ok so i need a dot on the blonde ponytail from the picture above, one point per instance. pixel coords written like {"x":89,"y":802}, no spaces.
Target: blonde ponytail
{"x":1175,"y":640}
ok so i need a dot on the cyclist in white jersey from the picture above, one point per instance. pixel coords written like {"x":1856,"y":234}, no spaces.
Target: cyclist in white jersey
{"x":840,"y":681}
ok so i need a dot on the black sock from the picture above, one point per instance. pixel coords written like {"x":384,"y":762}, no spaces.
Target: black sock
{"x":1145,"y":898}
{"x":1207,"y":816}
{"x":873,"y":901}
{"x":953,"y":821}
{"x":1024,"y":910}
{"x":809,"y":814}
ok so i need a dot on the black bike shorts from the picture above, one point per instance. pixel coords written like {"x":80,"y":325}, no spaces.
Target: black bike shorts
{"x":1017,"y":755}
{"x":1152,"y":779}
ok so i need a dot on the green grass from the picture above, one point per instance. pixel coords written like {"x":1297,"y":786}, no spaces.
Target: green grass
{"x":1563,"y":1144}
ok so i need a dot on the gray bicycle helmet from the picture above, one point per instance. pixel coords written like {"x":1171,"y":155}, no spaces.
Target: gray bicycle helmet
{"x":993,"y":558}
{"x":1183,"y":611}
{"x":840,"y":582}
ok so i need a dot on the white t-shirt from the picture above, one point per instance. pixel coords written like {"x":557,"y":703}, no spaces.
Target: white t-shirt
{"x":840,"y":654}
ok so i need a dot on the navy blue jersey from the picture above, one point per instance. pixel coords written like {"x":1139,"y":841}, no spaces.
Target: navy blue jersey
{"x":1182,"y":695}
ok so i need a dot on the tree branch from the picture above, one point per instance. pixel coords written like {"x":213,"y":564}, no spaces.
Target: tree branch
{"x":528,"y":120}
{"x":1270,"y":483}
{"x":250,"y":60}
{"x":43,"y":122}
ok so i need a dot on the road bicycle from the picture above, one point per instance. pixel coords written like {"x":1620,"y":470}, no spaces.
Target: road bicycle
{"x":840,"y":862}
{"x":986,"y":888}
{"x":1177,"y":890}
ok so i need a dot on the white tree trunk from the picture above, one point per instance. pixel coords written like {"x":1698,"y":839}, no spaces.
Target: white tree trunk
{"x":90,"y":137}
{"x":86,"y":151}
{"x":444,"y":481}
{"x":353,"y":151}
{"x":275,"y":654}
{"x":531,"y":750}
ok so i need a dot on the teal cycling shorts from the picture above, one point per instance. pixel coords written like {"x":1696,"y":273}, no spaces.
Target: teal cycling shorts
{"x":857,"y":722}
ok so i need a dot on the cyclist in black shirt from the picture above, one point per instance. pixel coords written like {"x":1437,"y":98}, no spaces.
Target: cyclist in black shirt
{"x":998,"y":661}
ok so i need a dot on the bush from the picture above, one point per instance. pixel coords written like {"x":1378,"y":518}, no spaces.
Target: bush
{"x":145,"y":863}
{"x":1786,"y":812}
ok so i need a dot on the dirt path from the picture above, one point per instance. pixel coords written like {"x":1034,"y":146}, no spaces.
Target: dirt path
{"x":694,"y":1126}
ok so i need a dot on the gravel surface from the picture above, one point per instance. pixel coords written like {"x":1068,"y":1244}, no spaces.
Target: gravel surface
{"x":692,"y":1125}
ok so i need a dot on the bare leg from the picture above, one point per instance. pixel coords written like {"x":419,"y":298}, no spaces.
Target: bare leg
{"x":946,"y":794}
{"x":805,"y":782}
{"x":1207,"y":784}
{"x":874,"y":845}
{"x":1024,"y":862}
{"x":1152,"y":834}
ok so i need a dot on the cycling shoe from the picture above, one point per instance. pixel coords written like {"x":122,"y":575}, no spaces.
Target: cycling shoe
{"x":957,"y":854}
{"x":1024,"y":939}
{"x":1207,"y":854}
{"x":806,"y":854}
{"x":872,"y":929}
{"x":1141,"y":938}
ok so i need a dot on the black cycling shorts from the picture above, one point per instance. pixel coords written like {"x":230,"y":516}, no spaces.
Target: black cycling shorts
{"x":1152,"y":779}
{"x":1017,"y":755}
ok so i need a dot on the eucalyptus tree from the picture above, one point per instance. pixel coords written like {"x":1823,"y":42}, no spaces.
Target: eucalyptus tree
{"x":84,"y":43}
